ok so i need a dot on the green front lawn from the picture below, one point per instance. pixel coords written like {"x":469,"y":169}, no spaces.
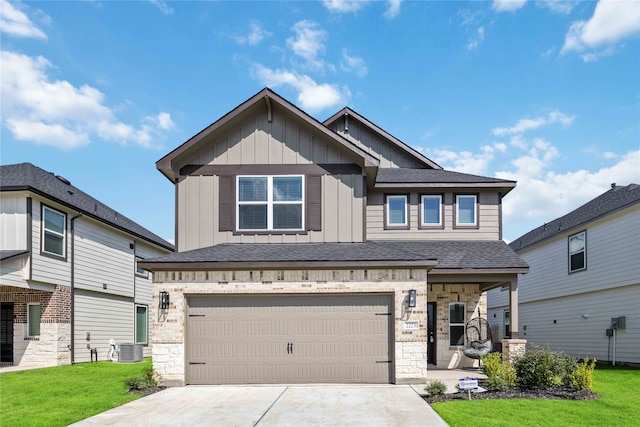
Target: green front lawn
{"x":618,"y":405}
{"x":65,"y":394}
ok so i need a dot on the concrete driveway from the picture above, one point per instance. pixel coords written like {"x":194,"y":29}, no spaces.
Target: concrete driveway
{"x":267,"y":406}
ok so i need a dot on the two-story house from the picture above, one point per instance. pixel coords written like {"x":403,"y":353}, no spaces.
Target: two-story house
{"x":585,"y":275}
{"x":320,"y":252}
{"x":69,"y":278}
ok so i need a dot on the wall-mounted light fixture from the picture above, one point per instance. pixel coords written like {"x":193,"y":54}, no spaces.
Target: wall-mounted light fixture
{"x":164,"y":300}
{"x":585,"y":316}
{"x":412,"y":298}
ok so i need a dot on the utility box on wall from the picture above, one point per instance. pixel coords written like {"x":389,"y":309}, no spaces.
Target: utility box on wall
{"x":619,"y":322}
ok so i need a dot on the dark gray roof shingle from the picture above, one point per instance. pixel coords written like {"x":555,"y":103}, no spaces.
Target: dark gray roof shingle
{"x":27,"y":177}
{"x":616,"y":198}
{"x":450,"y":254}
{"x":405,"y":175}
{"x":6,"y":255}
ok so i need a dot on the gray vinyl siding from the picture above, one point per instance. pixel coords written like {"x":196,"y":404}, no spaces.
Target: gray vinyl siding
{"x":48,"y":269}
{"x":143,"y":286}
{"x":13,"y":222}
{"x":12,"y":272}
{"x":488,"y":216}
{"x":105,"y":317}
{"x":390,"y":155}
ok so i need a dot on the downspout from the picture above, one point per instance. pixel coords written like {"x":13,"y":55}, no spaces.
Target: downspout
{"x":73,"y":293}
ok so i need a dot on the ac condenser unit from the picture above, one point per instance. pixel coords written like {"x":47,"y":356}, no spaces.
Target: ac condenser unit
{"x":130,"y":352}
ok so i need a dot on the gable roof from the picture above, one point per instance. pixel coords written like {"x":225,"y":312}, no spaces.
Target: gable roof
{"x":268,"y":96}
{"x":445,"y":255}
{"x":437,"y":178}
{"x":348,"y":112}
{"x":27,"y":177}
{"x":618,"y":197}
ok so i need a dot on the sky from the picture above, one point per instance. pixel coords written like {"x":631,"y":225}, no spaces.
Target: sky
{"x":546,"y":93}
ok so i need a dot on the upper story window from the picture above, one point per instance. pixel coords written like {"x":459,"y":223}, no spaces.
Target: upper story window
{"x":466,"y":210}
{"x":578,"y":252}
{"x":431,"y":211}
{"x":396,"y":211}
{"x":141,"y":271}
{"x":54,"y":226}
{"x":266,"y":203}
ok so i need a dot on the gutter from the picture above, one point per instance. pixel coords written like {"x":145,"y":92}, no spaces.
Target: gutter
{"x":73,"y":293}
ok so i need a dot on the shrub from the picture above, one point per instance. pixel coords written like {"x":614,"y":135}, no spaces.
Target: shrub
{"x":544,"y":368}
{"x":493,"y":366}
{"x":496,"y":383}
{"x":436,"y":388}
{"x":582,"y":377}
{"x":149,"y":378}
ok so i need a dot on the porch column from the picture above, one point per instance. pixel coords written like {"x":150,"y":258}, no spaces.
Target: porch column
{"x":513,"y":346}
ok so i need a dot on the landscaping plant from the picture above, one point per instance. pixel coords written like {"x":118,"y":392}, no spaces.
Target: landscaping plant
{"x":582,"y":377}
{"x":149,"y":378}
{"x":494,"y":367}
{"x":436,"y":388}
{"x":544,"y":368}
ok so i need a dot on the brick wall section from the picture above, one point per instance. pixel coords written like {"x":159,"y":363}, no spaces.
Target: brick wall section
{"x":55,"y":306}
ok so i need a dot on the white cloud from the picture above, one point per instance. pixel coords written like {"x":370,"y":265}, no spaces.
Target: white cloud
{"x":57,"y":113}
{"x":344,"y":6}
{"x":508,"y":5}
{"x":464,"y":161}
{"x":524,"y":125}
{"x":354,"y":64}
{"x":393,"y":9}
{"x":308,"y":42}
{"x":15,"y":23}
{"x":255,"y":36}
{"x":612,"y":21}
{"x":163,"y":6}
{"x":312,"y":96}
{"x":560,"y":6}
{"x":476,"y":40}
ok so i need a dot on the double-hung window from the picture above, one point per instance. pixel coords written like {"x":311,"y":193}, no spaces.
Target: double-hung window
{"x":431,"y":210}
{"x":33,"y":320}
{"x":54,"y":226}
{"x":578,"y":252}
{"x":456,"y":324}
{"x":396,"y":212}
{"x":267,"y":203}
{"x":141,"y":324}
{"x":466,"y":210}
{"x":141,"y":272}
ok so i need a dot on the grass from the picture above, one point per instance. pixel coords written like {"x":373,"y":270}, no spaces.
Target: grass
{"x":63,"y":395}
{"x":618,"y":405}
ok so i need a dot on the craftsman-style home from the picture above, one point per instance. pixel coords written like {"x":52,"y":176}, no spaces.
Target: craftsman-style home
{"x":321,"y":252}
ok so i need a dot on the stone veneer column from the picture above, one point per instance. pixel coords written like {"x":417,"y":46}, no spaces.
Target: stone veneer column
{"x":512,"y":349}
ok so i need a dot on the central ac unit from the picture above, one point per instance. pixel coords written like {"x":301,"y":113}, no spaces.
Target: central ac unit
{"x":130,"y":352}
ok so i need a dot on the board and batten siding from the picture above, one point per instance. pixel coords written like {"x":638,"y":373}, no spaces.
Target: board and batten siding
{"x":104,"y":317}
{"x":390,"y":155}
{"x":13,"y":221}
{"x":488,"y":216}
{"x":198,"y":214}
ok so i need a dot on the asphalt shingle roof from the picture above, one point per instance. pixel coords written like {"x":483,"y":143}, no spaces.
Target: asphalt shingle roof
{"x":8,"y":254}
{"x":406,"y":175}
{"x":27,"y":177}
{"x":618,"y":197}
{"x":450,"y":254}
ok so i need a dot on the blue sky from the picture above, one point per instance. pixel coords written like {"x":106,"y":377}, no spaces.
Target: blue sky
{"x":543,"y":92}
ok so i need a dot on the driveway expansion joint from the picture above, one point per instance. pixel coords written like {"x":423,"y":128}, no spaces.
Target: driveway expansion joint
{"x":270,"y":406}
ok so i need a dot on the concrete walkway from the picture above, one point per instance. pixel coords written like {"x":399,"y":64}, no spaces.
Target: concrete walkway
{"x":271,"y":406}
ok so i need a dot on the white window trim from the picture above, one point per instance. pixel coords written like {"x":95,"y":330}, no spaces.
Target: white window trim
{"x":475,"y":210}
{"x":45,"y":230}
{"x":270,"y":203}
{"x":430,"y":196}
{"x":406,"y":210}
{"x":584,"y":251}
{"x":29,"y":318}
{"x":463,"y":324}
{"x":135,"y":323}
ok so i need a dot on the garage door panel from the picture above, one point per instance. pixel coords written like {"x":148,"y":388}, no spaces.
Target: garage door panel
{"x":289,"y":338}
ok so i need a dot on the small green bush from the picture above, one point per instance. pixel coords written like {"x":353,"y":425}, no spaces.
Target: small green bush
{"x":436,"y":388}
{"x":493,"y":366}
{"x":582,"y":377}
{"x":496,"y":383}
{"x":149,"y":378}
{"x":544,"y":368}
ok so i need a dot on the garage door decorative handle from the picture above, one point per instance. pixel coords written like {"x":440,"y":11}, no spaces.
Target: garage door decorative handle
{"x":290,"y":348}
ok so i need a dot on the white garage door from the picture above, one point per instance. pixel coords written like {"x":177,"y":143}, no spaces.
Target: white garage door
{"x":289,"y":339}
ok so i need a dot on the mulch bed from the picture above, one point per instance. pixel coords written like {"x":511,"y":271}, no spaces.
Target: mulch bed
{"x":146,"y":390}
{"x":560,"y":392}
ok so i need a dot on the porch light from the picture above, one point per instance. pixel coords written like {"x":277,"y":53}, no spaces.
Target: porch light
{"x":412,"y":298}
{"x":164,"y":300}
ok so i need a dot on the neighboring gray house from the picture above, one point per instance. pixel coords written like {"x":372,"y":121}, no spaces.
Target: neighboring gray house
{"x":69,"y":279}
{"x":585,"y":271}
{"x":321,"y":252}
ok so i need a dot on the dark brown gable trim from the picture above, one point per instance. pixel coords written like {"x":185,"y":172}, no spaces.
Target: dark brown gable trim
{"x":263,"y":169}
{"x":314,"y":203}
{"x":227,"y":203}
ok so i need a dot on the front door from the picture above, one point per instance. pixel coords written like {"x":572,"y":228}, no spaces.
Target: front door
{"x":431,"y":333}
{"x":6,"y":333}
